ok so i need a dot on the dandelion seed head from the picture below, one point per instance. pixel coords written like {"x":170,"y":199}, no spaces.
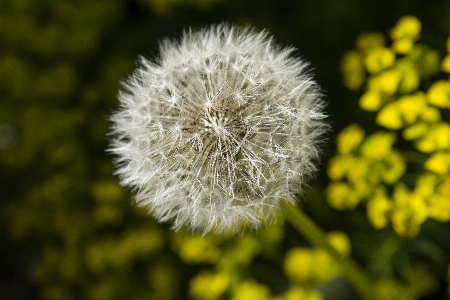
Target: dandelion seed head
{"x":218,"y":129}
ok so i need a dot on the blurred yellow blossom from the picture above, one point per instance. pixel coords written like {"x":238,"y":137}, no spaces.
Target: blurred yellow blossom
{"x":390,"y":117}
{"x":369,"y":41}
{"x":409,"y":211}
{"x":445,"y":66}
{"x":410,"y":106}
{"x":379,"y":59}
{"x":444,"y":186}
{"x":439,"y":94}
{"x":399,"y":86}
{"x":378,"y":209}
{"x":430,"y":114}
{"x":297,"y":293}
{"x":426,"y":59}
{"x":405,"y":111}
{"x":378,"y":145}
{"x":314,"y":265}
{"x":208,"y":286}
{"x":350,"y":138}
{"x":405,"y":33}
{"x":425,"y":184}
{"x":195,"y":248}
{"x":410,"y":76}
{"x":299,"y":264}
{"x":437,"y":138}
{"x":339,"y":241}
{"x":371,"y":100}
{"x":435,"y":190}
{"x":341,"y":196}
{"x":338,"y":166}
{"x":393,"y":168}
{"x":359,"y":169}
{"x":385,"y":82}
{"x":353,"y":70}
{"x":439,"y":163}
{"x":439,"y":207}
{"x":415,"y":131}
{"x":250,"y":289}
{"x":247,"y":248}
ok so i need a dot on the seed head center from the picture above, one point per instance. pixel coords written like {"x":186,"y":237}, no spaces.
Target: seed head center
{"x":216,"y":121}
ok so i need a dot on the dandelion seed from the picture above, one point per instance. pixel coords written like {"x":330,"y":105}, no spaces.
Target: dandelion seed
{"x":218,"y":129}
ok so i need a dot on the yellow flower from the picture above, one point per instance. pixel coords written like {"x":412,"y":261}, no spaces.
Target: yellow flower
{"x":439,"y":208}
{"x":358,"y":170}
{"x":405,"y":111}
{"x":338,"y":166}
{"x":379,"y":59}
{"x":439,"y":94}
{"x":410,"y":76}
{"x":403,"y":46}
{"x":208,"y":286}
{"x":430,"y":114}
{"x":445,"y":66}
{"x":394,"y":167}
{"x":411,"y":106}
{"x":299,"y":264}
{"x":341,"y":196}
{"x":194,"y":249}
{"x":369,"y":41}
{"x":444,"y":186}
{"x":405,"y":33}
{"x":250,"y":289}
{"x":315,"y":265}
{"x":385,"y":82}
{"x":352,"y":70}
{"x":378,"y":209}
{"x":390,"y":117}
{"x":439,"y":163}
{"x":350,"y":138}
{"x":426,"y":59}
{"x":339,"y":241}
{"x":415,"y":131}
{"x":437,"y":138}
{"x":446,"y":61}
{"x":371,"y":101}
{"x":378,"y":145}
{"x":409,"y":211}
{"x":298,"y":292}
{"x":425,"y":184}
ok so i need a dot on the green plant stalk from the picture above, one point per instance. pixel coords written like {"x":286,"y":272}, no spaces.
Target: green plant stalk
{"x":360,"y":280}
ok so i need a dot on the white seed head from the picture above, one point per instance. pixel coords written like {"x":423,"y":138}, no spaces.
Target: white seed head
{"x":218,"y":129}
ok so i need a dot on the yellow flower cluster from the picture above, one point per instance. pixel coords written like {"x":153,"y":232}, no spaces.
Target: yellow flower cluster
{"x":398,"y":86}
{"x":230,"y":257}
{"x":361,"y":165}
{"x":311,"y":266}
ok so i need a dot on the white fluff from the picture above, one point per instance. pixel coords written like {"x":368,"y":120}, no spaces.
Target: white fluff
{"x":218,"y":129}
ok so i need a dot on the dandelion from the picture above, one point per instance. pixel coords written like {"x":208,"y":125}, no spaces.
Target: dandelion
{"x":218,"y":129}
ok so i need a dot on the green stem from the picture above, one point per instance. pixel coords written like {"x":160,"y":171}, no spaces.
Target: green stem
{"x":361,"y":282}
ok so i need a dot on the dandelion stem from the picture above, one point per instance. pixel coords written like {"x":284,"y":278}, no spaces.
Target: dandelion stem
{"x":360,"y":280}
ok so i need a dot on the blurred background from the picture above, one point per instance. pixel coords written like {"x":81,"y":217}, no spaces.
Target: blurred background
{"x":67,"y":229}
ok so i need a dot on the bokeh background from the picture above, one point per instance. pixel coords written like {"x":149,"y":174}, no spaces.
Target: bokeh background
{"x":69,"y":231}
